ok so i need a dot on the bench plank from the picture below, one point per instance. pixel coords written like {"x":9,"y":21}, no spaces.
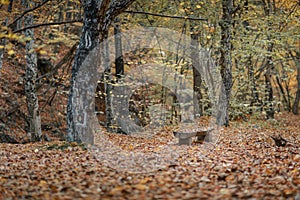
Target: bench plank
{"x":185,"y":136}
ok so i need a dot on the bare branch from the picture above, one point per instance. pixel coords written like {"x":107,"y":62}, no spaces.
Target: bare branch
{"x":114,"y":9}
{"x":118,"y":7}
{"x":47,"y":24}
{"x":166,"y":16}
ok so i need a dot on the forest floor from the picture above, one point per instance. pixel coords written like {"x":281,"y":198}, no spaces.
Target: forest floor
{"x":244,"y":163}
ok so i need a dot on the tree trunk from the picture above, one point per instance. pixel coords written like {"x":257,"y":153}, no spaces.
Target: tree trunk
{"x":285,"y":95}
{"x":295,"y":109}
{"x":198,"y":109}
{"x":269,"y":94}
{"x":34,"y":132}
{"x":225,"y":62}
{"x":253,"y":86}
{"x":3,"y":41}
{"x":79,"y":131}
{"x":196,"y":76}
{"x":98,"y":15}
{"x":268,"y":8}
{"x":119,"y":54}
{"x":108,"y":87}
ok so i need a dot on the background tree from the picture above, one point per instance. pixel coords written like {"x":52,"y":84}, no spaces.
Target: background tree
{"x":225,"y":60}
{"x":197,"y":79}
{"x":297,"y":97}
{"x":4,"y":24}
{"x":35,"y":131}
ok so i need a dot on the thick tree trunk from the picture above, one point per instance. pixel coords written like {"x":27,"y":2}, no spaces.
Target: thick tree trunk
{"x":34,"y":132}
{"x":225,"y":62}
{"x":79,"y":131}
{"x":98,"y":15}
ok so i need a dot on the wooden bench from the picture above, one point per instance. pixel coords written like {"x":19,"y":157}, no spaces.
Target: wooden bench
{"x":185,"y":136}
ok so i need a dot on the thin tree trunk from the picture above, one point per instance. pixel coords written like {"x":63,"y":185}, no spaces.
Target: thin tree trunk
{"x":108,"y":87}
{"x":3,"y":41}
{"x":198,"y":108}
{"x":197,"y":79}
{"x":286,"y":101}
{"x":119,"y":54}
{"x":268,"y":7}
{"x":34,"y":132}
{"x":225,"y":62}
{"x":295,"y":109}
{"x":253,"y":85}
{"x":119,"y":66}
{"x":269,"y":94}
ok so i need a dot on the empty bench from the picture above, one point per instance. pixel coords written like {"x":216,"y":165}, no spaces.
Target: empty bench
{"x":185,"y":136}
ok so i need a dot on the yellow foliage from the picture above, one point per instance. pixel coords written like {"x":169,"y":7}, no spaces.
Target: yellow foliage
{"x":11,"y":52}
{"x":5,"y":2}
{"x":43,"y":52}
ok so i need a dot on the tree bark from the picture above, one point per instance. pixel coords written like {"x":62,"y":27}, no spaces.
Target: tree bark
{"x":295,"y":109}
{"x":196,"y":77}
{"x":98,"y":15}
{"x":88,"y":41}
{"x":198,"y":109}
{"x":254,"y":92}
{"x":268,"y":8}
{"x":119,"y":54}
{"x":107,"y":87}
{"x":225,"y":62}
{"x":269,"y":94}
{"x":34,"y":132}
{"x":285,"y":95}
{"x":3,"y":41}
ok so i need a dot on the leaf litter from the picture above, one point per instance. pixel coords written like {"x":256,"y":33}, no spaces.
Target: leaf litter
{"x":245,"y":163}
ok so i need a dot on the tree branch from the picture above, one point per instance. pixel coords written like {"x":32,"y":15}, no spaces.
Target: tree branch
{"x":166,"y":16}
{"x":114,"y":9}
{"x":47,"y":24}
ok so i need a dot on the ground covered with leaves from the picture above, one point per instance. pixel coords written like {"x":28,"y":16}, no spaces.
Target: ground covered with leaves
{"x":245,"y":163}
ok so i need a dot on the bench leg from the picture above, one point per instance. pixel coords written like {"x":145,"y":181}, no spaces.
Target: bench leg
{"x":186,"y":141}
{"x":200,"y":139}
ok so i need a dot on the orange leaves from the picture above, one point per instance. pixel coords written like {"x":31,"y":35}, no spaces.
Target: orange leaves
{"x":244,"y":164}
{"x":127,"y":189}
{"x":118,"y":190}
{"x":141,"y":187}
